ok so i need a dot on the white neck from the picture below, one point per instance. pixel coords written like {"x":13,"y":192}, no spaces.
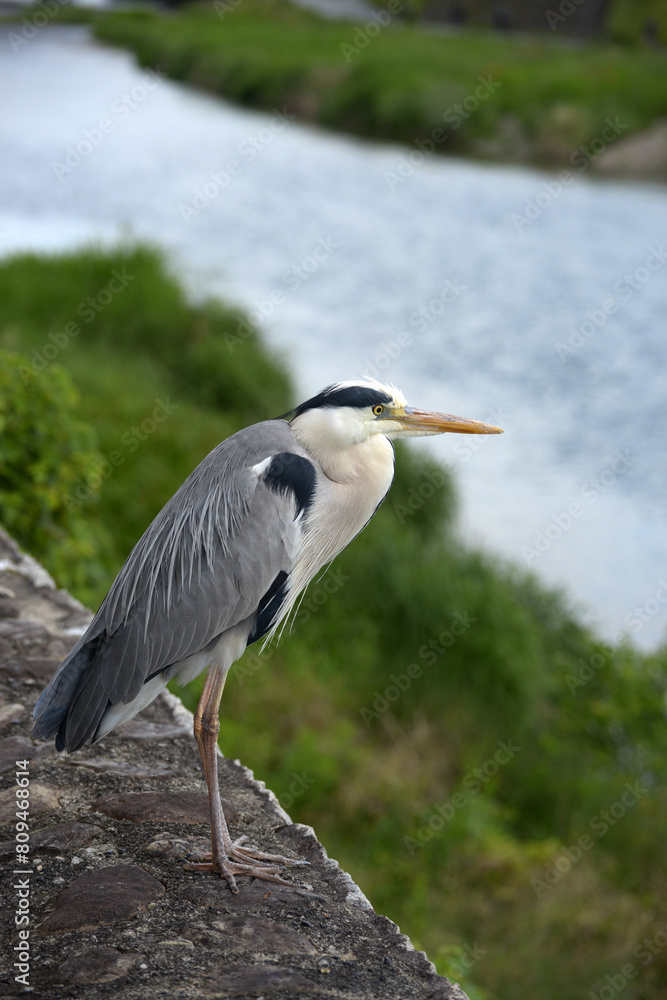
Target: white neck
{"x":358,"y":475}
{"x":346,"y":452}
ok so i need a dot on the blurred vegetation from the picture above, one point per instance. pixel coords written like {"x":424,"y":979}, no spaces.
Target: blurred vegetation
{"x":491,"y":774}
{"x":548,"y":96}
{"x":638,"y":21}
{"x":158,"y":379}
{"x":45,"y":455}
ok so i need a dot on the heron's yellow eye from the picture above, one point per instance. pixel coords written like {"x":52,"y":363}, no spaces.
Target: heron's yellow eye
{"x":378,"y":410}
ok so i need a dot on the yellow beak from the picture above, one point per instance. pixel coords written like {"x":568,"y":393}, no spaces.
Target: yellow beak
{"x":426,"y":422}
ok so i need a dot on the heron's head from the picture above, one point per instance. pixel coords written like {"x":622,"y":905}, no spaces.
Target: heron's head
{"x":349,"y":413}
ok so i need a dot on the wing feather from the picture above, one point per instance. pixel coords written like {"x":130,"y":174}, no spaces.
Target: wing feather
{"x":202,"y":567}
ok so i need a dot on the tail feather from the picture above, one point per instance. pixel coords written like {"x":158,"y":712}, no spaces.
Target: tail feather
{"x":84,"y":714}
{"x":58,"y":698}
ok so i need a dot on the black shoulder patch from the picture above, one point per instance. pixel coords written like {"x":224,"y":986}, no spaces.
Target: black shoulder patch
{"x":348,"y":395}
{"x":290,"y":473}
{"x":269,"y":606}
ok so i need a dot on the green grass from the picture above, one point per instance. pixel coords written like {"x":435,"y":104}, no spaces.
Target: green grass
{"x":147,"y":350}
{"x":361,"y":727}
{"x":546,"y":98}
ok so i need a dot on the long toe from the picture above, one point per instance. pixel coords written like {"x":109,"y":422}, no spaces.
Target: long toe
{"x":244,"y":854}
{"x":228,"y":869}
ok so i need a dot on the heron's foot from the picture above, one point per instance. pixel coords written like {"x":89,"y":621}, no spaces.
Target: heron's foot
{"x":228,"y":869}
{"x":244,"y":861}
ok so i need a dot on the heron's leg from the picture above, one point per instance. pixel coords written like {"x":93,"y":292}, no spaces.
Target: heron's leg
{"x":206,"y":729}
{"x":227,"y":857}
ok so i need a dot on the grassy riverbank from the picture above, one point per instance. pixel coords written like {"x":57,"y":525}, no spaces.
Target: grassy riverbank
{"x":536,"y":99}
{"x":491,"y":774}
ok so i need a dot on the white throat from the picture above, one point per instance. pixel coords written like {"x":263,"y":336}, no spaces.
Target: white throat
{"x":346,"y":448}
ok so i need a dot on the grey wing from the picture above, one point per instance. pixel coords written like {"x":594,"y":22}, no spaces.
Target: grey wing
{"x":210,"y":560}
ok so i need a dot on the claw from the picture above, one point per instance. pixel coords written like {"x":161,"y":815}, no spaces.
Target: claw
{"x":244,"y":861}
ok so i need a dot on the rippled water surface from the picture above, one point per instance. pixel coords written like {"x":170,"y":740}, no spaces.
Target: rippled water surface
{"x":427,"y":274}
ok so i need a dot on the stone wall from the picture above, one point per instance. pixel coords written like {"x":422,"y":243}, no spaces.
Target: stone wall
{"x":109,"y":908}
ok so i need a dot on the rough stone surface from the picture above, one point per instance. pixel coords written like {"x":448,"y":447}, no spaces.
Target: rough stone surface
{"x":252,"y":981}
{"x":10,"y":713}
{"x":153,"y":770}
{"x":247,"y":933}
{"x":102,"y":897}
{"x":112,"y":910}
{"x":166,"y":845}
{"x":43,"y":799}
{"x":34,"y":670}
{"x":12,"y":749}
{"x":98,"y":965}
{"x":161,"y":807}
{"x":139,"y":729}
{"x":66,"y":837}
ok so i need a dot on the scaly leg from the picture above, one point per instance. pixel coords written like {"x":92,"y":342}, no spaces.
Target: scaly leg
{"x":228,"y":857}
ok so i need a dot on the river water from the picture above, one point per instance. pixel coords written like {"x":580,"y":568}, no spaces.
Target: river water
{"x":489,"y":291}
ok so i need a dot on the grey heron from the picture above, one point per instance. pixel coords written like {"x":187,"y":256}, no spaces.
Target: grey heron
{"x":223,"y":564}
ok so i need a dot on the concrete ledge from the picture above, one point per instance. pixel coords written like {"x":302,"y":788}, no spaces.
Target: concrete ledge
{"x":111,"y":909}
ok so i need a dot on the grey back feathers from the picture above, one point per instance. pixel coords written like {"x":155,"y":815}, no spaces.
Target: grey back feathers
{"x":199,"y":571}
